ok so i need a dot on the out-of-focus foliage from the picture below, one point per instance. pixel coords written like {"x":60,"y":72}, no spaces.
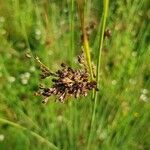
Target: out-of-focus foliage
{"x":43,"y":28}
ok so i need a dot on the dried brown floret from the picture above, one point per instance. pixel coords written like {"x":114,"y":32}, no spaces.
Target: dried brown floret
{"x":66,"y":81}
{"x":107,"y":33}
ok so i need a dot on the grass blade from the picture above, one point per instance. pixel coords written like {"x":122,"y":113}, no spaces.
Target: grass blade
{"x":40,"y":138}
{"x":103,"y":21}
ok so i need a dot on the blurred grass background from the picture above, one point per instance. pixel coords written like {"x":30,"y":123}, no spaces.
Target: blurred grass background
{"x":50,"y":29}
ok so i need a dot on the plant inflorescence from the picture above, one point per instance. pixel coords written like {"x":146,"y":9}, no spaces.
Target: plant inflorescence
{"x":67,"y":81}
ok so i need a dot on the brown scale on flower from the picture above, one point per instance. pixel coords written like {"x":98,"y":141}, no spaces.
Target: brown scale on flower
{"x":107,"y":33}
{"x":66,"y":81}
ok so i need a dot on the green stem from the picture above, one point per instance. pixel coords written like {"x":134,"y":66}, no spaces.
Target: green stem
{"x":40,"y":138}
{"x":71,"y":55}
{"x":104,"y":16}
{"x":103,"y":21}
{"x":72,"y":28}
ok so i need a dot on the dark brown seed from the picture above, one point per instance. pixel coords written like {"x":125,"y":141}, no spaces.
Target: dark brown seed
{"x":63,"y":65}
{"x":107,"y":33}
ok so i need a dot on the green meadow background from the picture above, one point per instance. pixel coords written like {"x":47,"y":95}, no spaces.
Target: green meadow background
{"x":50,"y":29}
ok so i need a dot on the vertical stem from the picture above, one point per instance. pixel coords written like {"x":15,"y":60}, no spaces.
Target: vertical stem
{"x":71,"y":53}
{"x":104,"y":16}
{"x":72,"y":28}
{"x":103,"y":21}
{"x":81,"y":6}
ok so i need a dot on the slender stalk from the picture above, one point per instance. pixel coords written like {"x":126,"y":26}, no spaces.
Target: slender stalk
{"x":103,"y":21}
{"x":71,"y":55}
{"x":104,"y":16}
{"x":40,"y":138}
{"x":81,"y":6}
{"x":72,"y":29}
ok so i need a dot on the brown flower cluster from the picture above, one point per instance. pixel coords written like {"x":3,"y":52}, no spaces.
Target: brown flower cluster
{"x":67,"y":81}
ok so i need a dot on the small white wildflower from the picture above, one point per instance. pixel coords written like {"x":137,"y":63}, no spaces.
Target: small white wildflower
{"x":27,"y":74}
{"x":132,"y":81}
{"x":144,"y":91}
{"x":11,"y":79}
{"x":2,"y":19}
{"x":21,"y":44}
{"x":143,"y":97}
{"x":24,"y":81}
{"x":75,"y":60}
{"x":37,"y":37}
{"x":25,"y":77}
{"x":140,"y":13}
{"x":134,"y":54}
{"x":2,"y":137}
{"x":102,"y":134}
{"x":50,"y":53}
{"x":32,"y":68}
{"x":3,"y":32}
{"x":65,"y":10}
{"x":113,"y":82}
{"x":37,"y":32}
{"x":60,"y":118}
